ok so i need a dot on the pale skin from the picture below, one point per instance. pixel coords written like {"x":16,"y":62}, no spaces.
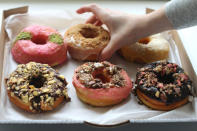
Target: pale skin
{"x":126,"y":28}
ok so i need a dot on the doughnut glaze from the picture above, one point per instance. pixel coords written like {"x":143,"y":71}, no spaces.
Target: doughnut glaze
{"x":101,"y":83}
{"x":36,"y":87}
{"x":163,"y":83}
{"x":146,"y":50}
{"x":39,"y":44}
{"x":85,"y":41}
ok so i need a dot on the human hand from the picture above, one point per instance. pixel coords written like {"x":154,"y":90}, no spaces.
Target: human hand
{"x":124,"y":28}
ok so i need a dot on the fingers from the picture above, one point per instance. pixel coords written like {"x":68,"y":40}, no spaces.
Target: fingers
{"x":109,"y":50}
{"x":98,"y":23}
{"x":94,"y":20}
{"x":106,"y":53}
{"x":88,"y":8}
{"x":95,"y":9}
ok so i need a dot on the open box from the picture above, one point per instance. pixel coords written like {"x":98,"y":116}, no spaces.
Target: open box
{"x":185,"y":62}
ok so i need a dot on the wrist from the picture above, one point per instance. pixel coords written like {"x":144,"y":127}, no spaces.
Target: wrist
{"x":153,"y":23}
{"x":157,"y":21}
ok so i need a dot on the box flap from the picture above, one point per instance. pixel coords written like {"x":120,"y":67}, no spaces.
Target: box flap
{"x":3,"y":34}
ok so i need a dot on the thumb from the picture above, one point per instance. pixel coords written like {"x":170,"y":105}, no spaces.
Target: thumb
{"x":108,"y":51}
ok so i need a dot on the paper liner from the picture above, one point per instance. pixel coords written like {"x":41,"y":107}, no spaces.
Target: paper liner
{"x":77,"y":111}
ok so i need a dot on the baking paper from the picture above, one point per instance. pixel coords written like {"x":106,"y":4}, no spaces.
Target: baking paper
{"x":77,"y":111}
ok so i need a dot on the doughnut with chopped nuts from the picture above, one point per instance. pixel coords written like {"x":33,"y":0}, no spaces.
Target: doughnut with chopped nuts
{"x":101,"y":83}
{"x":36,"y":87}
{"x":163,"y":85}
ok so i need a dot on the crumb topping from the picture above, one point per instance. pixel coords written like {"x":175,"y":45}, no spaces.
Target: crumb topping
{"x":37,"y":84}
{"x":87,"y":36}
{"x":164,"y":81}
{"x":100,"y":75}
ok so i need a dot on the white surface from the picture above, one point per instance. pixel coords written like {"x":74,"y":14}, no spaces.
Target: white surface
{"x":78,"y":111}
{"x":188,"y":36}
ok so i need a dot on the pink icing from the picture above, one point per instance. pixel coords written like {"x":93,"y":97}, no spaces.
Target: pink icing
{"x":113,"y":93}
{"x":50,"y":53}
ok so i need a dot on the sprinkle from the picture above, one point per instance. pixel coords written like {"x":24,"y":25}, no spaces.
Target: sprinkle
{"x":98,"y":65}
{"x":62,"y":77}
{"x":31,"y":86}
{"x":157,"y":94}
{"x":141,"y":82}
{"x":30,"y":107}
{"x":25,"y":98}
{"x":12,"y":94}
{"x":160,"y":85}
{"x":169,"y":65}
{"x":45,"y":90}
{"x":35,"y":93}
{"x":179,"y":82}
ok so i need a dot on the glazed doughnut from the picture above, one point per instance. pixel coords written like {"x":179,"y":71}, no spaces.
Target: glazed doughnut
{"x":85,"y":41}
{"x":163,"y":85}
{"x":147,"y":50}
{"x":39,"y":44}
{"x":36,"y":87}
{"x":101,"y":83}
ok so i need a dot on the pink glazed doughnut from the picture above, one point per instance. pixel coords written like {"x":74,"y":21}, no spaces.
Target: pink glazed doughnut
{"x":101,"y":83}
{"x":39,"y":44}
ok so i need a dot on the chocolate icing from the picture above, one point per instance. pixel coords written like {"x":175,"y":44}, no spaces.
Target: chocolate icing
{"x":37,"y":83}
{"x":164,"y":81}
{"x":100,"y":75}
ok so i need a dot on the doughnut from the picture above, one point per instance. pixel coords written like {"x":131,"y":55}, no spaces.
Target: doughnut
{"x":101,"y":83}
{"x":146,"y":50}
{"x":39,"y":44}
{"x":85,"y":41}
{"x":163,"y":85}
{"x":36,"y":87}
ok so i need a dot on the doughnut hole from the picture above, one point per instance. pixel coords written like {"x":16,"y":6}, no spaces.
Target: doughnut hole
{"x":37,"y":81}
{"x":144,"y":40}
{"x":101,"y":75}
{"x":89,"y":32}
{"x":39,"y":39}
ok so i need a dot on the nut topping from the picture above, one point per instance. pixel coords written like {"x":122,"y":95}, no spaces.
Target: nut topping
{"x":105,"y":73}
{"x":167,"y":79}
{"x":36,"y":83}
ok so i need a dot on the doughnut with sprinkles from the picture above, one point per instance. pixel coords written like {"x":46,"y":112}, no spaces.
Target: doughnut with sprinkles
{"x":163,"y":85}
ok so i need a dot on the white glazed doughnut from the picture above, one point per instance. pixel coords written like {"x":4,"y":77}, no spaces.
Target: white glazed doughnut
{"x":146,"y":50}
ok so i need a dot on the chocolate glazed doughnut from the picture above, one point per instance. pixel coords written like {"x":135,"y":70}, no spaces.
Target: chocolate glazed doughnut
{"x":36,"y":87}
{"x":163,"y":85}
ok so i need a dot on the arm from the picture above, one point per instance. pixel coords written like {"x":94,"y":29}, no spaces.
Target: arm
{"x":153,"y":23}
{"x":128,"y":28}
{"x":182,"y":13}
